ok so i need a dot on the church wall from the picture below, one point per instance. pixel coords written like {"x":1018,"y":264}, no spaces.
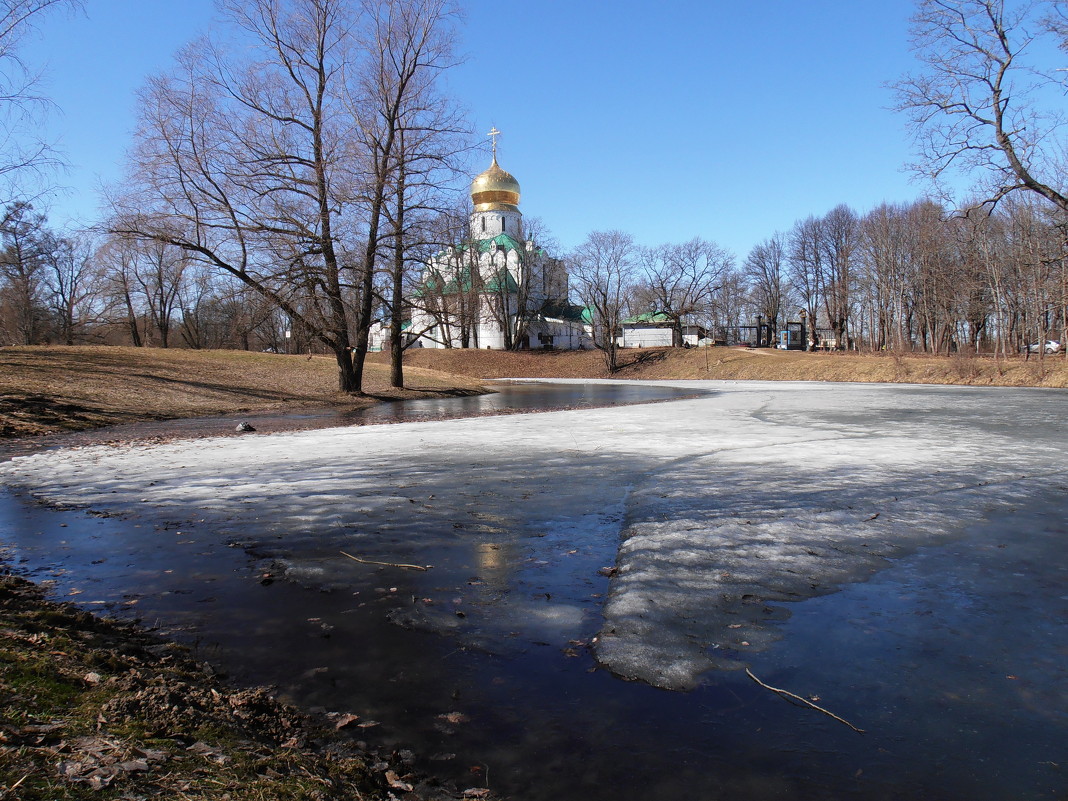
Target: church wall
{"x":488,"y":224}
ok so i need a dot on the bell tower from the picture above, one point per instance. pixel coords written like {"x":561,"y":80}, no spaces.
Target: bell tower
{"x":495,"y":195}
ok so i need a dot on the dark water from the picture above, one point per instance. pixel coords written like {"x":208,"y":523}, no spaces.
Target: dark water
{"x":946,"y":659}
{"x":954,"y":659}
{"x":516,"y":397}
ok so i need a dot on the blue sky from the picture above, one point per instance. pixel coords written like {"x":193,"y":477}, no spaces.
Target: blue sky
{"x":669,"y":120}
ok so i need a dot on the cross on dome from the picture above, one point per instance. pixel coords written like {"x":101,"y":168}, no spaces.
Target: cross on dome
{"x":493,"y":134}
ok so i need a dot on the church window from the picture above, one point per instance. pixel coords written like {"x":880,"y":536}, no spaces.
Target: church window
{"x":483,"y":225}
{"x":503,"y":229}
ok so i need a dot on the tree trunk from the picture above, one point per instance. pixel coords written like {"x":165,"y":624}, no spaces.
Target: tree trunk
{"x":347,"y":380}
{"x":396,"y":350}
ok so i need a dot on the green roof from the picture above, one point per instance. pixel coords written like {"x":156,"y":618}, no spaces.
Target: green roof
{"x":563,"y":310}
{"x":502,"y":276}
{"x":436,"y":284}
{"x":485,"y":245}
{"x":649,"y":318}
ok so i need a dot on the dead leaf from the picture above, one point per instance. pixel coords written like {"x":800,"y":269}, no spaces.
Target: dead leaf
{"x":395,"y":782}
{"x":346,"y":719}
{"x":454,"y":717}
{"x":476,"y":792}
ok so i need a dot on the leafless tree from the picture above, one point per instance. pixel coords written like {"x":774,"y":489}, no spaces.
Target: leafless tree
{"x":117,"y":258}
{"x":270,"y":157}
{"x":25,"y":242}
{"x":21,"y":148}
{"x":981,"y":101}
{"x":765,"y":272}
{"x":74,"y":286}
{"x":409,"y":43}
{"x":428,"y":140}
{"x":835,"y":273}
{"x":682,"y":280}
{"x":806,"y":266}
{"x":885,"y":275}
{"x":160,"y":274}
{"x":604,"y":269}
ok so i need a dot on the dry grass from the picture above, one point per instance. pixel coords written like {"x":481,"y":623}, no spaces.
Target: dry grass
{"x":51,"y":389}
{"x":751,"y":364}
{"x":48,"y":389}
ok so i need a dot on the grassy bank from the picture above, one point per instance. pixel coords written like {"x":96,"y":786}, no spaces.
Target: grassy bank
{"x":750,"y":364}
{"x":49,"y":389}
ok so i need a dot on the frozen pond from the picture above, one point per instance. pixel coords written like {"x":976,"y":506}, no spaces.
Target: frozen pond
{"x":897,"y":551}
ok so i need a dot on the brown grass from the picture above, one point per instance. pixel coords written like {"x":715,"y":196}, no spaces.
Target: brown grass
{"x":751,"y":364}
{"x":48,"y":389}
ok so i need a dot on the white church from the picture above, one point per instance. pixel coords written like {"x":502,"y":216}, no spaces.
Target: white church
{"x":498,"y":289}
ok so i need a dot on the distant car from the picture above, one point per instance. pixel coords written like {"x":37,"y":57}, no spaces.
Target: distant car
{"x":1051,"y":347}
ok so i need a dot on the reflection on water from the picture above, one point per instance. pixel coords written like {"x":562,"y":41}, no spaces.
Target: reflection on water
{"x":514,"y":397}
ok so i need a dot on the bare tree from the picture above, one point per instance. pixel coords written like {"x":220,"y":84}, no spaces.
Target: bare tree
{"x":271,"y":161}
{"x":73,"y":283}
{"x":839,"y":235}
{"x":160,"y":275}
{"x":682,"y":280}
{"x":24,"y":241}
{"x":604,"y":269}
{"x":806,"y":267}
{"x":21,"y":149}
{"x":976,"y":105}
{"x":426,"y":145}
{"x":765,"y":272}
{"x":410,"y":45}
{"x":117,"y":258}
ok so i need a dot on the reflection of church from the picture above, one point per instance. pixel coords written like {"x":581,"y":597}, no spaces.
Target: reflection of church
{"x":497,"y":289}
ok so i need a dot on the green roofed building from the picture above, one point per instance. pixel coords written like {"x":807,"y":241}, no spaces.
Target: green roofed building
{"x":498,"y":289}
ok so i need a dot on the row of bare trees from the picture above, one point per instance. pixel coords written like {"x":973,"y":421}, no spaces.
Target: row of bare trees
{"x":907,"y":277}
{"x":614,"y":278}
{"x":85,"y":288}
{"x":985,"y":104}
{"x":287,"y":176}
{"x":917,"y":277}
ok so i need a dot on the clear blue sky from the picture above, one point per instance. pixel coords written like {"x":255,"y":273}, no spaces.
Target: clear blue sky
{"x":672,"y":119}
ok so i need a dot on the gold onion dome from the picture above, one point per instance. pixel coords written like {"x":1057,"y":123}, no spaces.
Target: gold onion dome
{"x":495,"y":189}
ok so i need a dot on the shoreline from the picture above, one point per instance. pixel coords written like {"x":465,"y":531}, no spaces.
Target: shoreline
{"x":93,"y":703}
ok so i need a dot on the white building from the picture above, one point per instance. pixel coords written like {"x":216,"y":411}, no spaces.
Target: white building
{"x":498,"y":289}
{"x":656,"y":330}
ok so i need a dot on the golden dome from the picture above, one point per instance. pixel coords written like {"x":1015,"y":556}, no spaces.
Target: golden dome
{"x":495,"y":189}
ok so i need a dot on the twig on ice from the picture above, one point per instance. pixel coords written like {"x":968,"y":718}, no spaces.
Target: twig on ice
{"x":424,"y":568}
{"x":789,"y":695}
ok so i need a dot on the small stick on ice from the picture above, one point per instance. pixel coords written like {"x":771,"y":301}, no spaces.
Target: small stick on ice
{"x":789,"y":695}
{"x":424,"y":568}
